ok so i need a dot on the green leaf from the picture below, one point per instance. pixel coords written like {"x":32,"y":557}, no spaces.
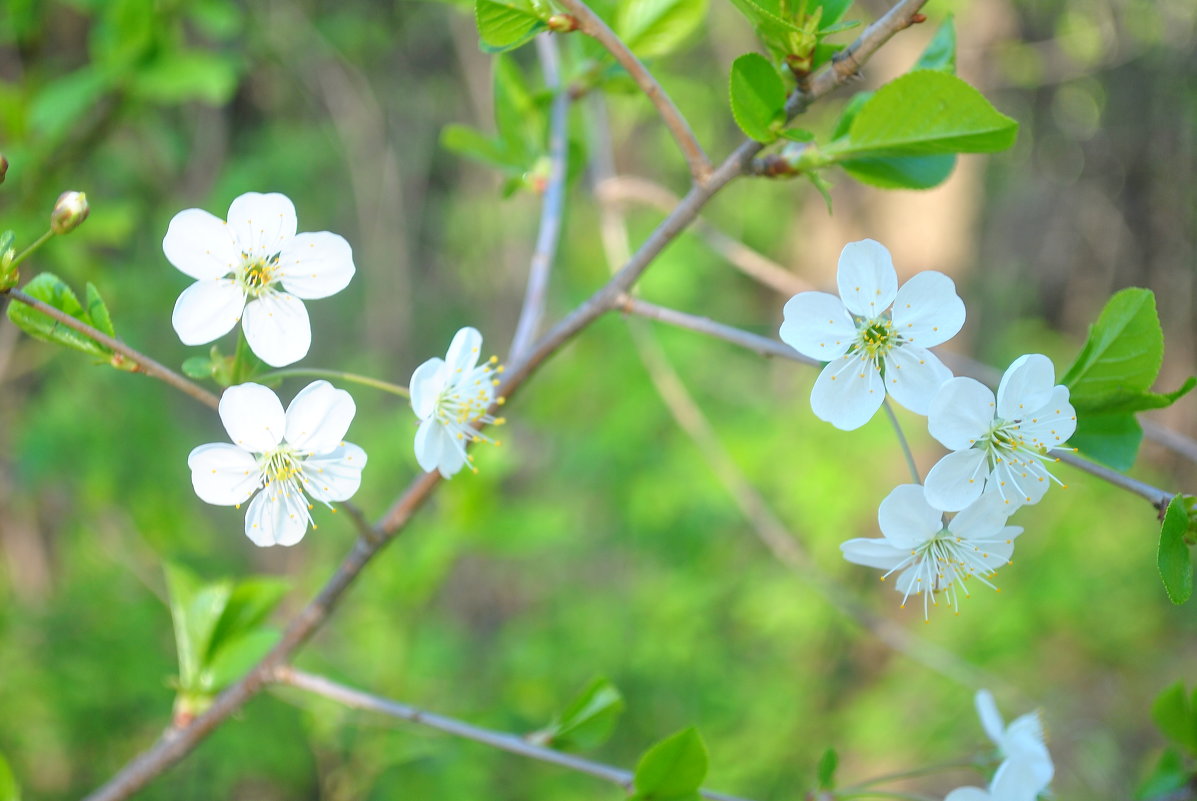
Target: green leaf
{"x":235,"y":658}
{"x":472,"y":143}
{"x":766,"y":20}
{"x":1123,"y":352}
{"x":195,"y":610}
{"x":9,"y":791}
{"x":652,"y":28}
{"x":758,"y":97}
{"x":588,"y":720}
{"x":925,"y":113}
{"x":199,"y":367}
{"x":797,"y":135}
{"x":1173,"y":558}
{"x":249,"y":603}
{"x":1173,"y":714}
{"x":506,"y":24}
{"x":673,"y":769}
{"x":833,"y":12}
{"x":182,"y":77}
{"x":826,"y":769}
{"x":1168,"y":776}
{"x":97,"y":310}
{"x":941,"y":51}
{"x":1112,"y":439}
{"x":51,"y":290}
{"x":1121,"y":402}
{"x":911,"y":172}
{"x":519,"y":118}
{"x":56,"y":106}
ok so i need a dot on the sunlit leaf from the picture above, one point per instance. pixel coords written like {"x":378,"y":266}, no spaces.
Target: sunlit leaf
{"x":652,"y":28}
{"x":673,"y":769}
{"x":758,"y":97}
{"x":1173,"y":558}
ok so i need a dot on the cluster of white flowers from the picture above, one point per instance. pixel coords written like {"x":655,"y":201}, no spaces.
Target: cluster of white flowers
{"x":253,"y":267}
{"x":874,"y":338}
{"x":1026,"y":769}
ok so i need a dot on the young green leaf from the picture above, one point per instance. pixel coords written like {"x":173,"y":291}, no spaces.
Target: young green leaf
{"x":518,"y":116}
{"x":199,"y":367}
{"x":251,"y":600}
{"x":910,"y":172}
{"x":1112,"y":439}
{"x":97,"y":310}
{"x":833,"y":12}
{"x":941,"y":51}
{"x":1123,"y":352}
{"x":195,"y":609}
{"x":826,"y":769}
{"x":9,"y":791}
{"x":925,"y":113}
{"x":50,"y":289}
{"x":506,"y":24}
{"x":1168,"y":776}
{"x":758,"y":97}
{"x":1172,"y":712}
{"x":673,"y":769}
{"x":652,"y":28}
{"x":234,"y":659}
{"x":1173,"y":558}
{"x":1124,"y":402}
{"x":588,"y":720}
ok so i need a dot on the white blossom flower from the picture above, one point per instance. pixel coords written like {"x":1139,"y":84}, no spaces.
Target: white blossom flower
{"x":931,"y":557}
{"x":871,"y":348}
{"x":288,"y":455}
{"x":1026,"y":769}
{"x":1001,"y":443}
{"x":451,"y":396}
{"x":257,"y":266}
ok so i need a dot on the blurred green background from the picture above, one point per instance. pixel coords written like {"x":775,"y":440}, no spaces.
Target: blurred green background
{"x":597,"y":540}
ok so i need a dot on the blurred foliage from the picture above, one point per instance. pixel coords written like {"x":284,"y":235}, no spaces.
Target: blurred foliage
{"x":596,"y":540}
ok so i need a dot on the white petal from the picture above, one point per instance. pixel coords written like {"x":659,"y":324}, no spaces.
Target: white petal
{"x":957,"y":479}
{"x":961,"y":413}
{"x":200,"y":245}
{"x":318,"y":417}
{"x":927,"y":310}
{"x":817,"y":325}
{"x":1024,"y":744}
{"x":207,"y":310}
{"x":1026,"y":386}
{"x":436,"y":450}
{"x":223,"y":474}
{"x":983,"y":519}
{"x":426,"y":385}
{"x":262,"y":224}
{"x":913,"y":375}
{"x":906,"y":519}
{"x":316,"y":265}
{"x":968,"y":794}
{"x":334,"y":476}
{"x":848,"y":392}
{"x":253,"y":416}
{"x":873,"y":552}
{"x":277,"y":328}
{"x":991,"y":719}
{"x":1051,"y":425}
{"x":1018,"y":483}
{"x":1017,"y":780}
{"x":866,"y":278}
{"x":464,"y":351}
{"x":277,"y":516}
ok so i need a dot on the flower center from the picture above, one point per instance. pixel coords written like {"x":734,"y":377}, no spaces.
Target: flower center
{"x":876,"y":337}
{"x":280,"y":465}
{"x":256,"y":275}
{"x":464,"y":402}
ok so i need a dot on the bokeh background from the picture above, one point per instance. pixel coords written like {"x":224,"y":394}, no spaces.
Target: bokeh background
{"x":598,"y":540}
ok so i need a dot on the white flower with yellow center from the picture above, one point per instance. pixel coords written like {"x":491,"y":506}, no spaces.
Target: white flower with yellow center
{"x":254,"y":266}
{"x":452,"y":397}
{"x":288,"y":455}
{"x":999,"y":444}
{"x":930,"y":557}
{"x":874,"y":336}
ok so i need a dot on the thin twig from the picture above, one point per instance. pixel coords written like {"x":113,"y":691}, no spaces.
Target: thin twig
{"x":341,"y":375}
{"x":144,"y":363}
{"x":552,"y":208}
{"x":177,"y":743}
{"x":503,"y":741}
{"x":745,"y":259}
{"x":592,"y":25}
{"x":768,"y":347}
{"x":909,"y":454}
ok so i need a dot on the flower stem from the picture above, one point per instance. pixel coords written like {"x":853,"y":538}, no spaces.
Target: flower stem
{"x":24,"y":254}
{"x":385,"y":386}
{"x":893,"y":419}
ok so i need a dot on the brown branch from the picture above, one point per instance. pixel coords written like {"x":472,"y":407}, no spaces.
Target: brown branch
{"x":177,"y":743}
{"x":592,"y":25}
{"x":356,"y":699}
{"x":144,"y":363}
{"x":552,"y":208}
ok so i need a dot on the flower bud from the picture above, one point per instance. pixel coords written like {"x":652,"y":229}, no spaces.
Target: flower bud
{"x":3,"y":167}
{"x":562,"y":23}
{"x":69,"y":212}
